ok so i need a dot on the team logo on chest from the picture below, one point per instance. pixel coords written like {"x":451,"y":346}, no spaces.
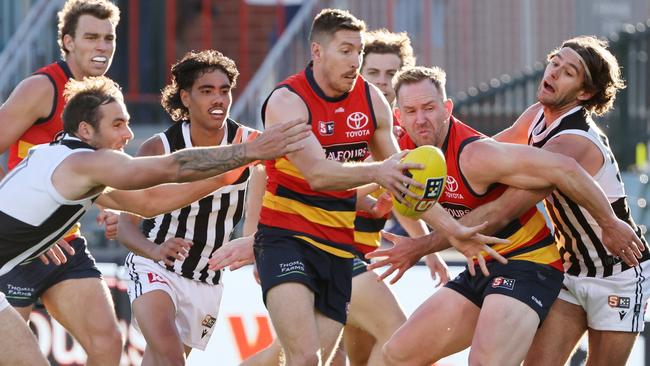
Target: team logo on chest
{"x":357,"y":122}
{"x":326,"y":128}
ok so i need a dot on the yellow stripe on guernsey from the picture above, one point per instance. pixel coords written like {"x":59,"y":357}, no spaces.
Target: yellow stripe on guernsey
{"x":369,"y":239}
{"x":337,"y":252}
{"x":23,"y":148}
{"x":285,"y":166}
{"x":314,"y":214}
{"x":545,"y":255}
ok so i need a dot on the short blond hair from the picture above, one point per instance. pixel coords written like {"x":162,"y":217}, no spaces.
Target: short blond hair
{"x":415,"y":74}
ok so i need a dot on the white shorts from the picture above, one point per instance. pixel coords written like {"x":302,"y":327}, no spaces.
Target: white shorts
{"x":3,"y":301}
{"x":614,"y":303}
{"x":197,"y":303}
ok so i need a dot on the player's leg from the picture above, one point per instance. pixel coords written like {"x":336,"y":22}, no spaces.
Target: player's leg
{"x":18,"y":345}
{"x":504,"y":332}
{"x":441,"y":326}
{"x":85,"y":308}
{"x":609,"y":347}
{"x":24,"y":311}
{"x":79,"y":299}
{"x":558,"y":336}
{"x":291,"y":308}
{"x":518,"y":297}
{"x":615,"y":311}
{"x":329,"y":335}
{"x":374,"y":309}
{"x":269,"y":356}
{"x":357,"y":344}
{"x":155,"y":313}
{"x":154,"y":308}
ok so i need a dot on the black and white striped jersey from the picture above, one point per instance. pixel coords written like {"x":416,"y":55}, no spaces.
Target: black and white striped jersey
{"x":577,"y":234}
{"x":208,"y":222}
{"x":33,"y":214}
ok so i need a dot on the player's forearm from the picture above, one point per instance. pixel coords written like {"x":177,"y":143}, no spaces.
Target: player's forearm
{"x":415,"y":228}
{"x":198,"y":163}
{"x":333,"y":176}
{"x":129,"y":234}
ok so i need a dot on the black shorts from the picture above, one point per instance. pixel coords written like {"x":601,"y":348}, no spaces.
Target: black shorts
{"x":359,"y":266}
{"x":282,"y":258}
{"x":534,"y":284}
{"x":24,"y":284}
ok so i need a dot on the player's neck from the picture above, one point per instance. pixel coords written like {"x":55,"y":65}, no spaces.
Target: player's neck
{"x":77,"y":74}
{"x":322,"y":83}
{"x":202,"y":136}
{"x":553,"y":113}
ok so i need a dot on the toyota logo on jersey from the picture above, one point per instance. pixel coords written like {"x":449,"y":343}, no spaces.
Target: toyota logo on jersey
{"x":452,"y":185}
{"x":357,"y":120}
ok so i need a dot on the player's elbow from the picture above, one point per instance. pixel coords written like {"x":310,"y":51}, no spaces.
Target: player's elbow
{"x":567,"y":169}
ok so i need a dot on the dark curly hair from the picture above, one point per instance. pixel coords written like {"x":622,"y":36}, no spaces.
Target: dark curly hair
{"x":185,"y":72}
{"x":606,"y":78}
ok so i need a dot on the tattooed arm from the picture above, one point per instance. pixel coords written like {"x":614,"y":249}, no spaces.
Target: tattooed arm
{"x":86,"y":173}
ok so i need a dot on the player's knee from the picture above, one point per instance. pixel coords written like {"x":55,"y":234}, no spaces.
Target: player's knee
{"x":392,"y":355}
{"x":303,"y":358}
{"x":479,"y":357}
{"x":106,"y":344}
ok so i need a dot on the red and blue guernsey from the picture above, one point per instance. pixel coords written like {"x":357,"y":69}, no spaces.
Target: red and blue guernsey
{"x":530,"y":239}
{"x":45,"y":129}
{"x":344,"y":127}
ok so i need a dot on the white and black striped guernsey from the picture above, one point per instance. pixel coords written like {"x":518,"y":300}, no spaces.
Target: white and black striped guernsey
{"x":208,"y":222}
{"x":33,"y":215}
{"x":577,"y":233}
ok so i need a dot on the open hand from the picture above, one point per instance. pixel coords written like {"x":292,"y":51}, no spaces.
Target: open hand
{"x":236,"y":253}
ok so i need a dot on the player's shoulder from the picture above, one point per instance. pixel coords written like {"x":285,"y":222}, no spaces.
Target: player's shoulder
{"x":152,"y":146}
{"x":283,"y":96}
{"x":35,"y":86}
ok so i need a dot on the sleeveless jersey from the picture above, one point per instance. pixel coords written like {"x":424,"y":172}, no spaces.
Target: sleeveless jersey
{"x":367,"y":229}
{"x":43,"y":130}
{"x":577,"y":233}
{"x":208,"y":222}
{"x":530,"y":238}
{"x":343,"y":126}
{"x":33,"y":214}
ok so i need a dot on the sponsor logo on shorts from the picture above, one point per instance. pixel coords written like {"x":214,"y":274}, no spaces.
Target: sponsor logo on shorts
{"x":615,"y":301}
{"x":537,"y":301}
{"x":19,"y":291}
{"x":622,"y":314}
{"x":204,"y":333}
{"x":501,"y":282}
{"x":154,"y":277}
{"x":291,"y":268}
{"x":208,"y":321}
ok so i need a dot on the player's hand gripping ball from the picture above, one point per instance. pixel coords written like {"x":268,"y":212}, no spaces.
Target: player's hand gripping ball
{"x":433,"y":177}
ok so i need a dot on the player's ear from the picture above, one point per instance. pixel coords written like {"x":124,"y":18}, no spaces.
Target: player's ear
{"x":315,"y":50}
{"x":185,"y":97}
{"x":85,"y":130}
{"x":449,"y":107}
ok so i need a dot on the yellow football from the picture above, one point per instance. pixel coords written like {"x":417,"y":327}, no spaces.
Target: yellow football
{"x":433,"y":177}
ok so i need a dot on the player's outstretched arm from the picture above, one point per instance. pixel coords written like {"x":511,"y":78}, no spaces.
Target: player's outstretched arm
{"x":531,"y":168}
{"x":164,"y":198}
{"x":517,"y":133}
{"x":118,"y":170}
